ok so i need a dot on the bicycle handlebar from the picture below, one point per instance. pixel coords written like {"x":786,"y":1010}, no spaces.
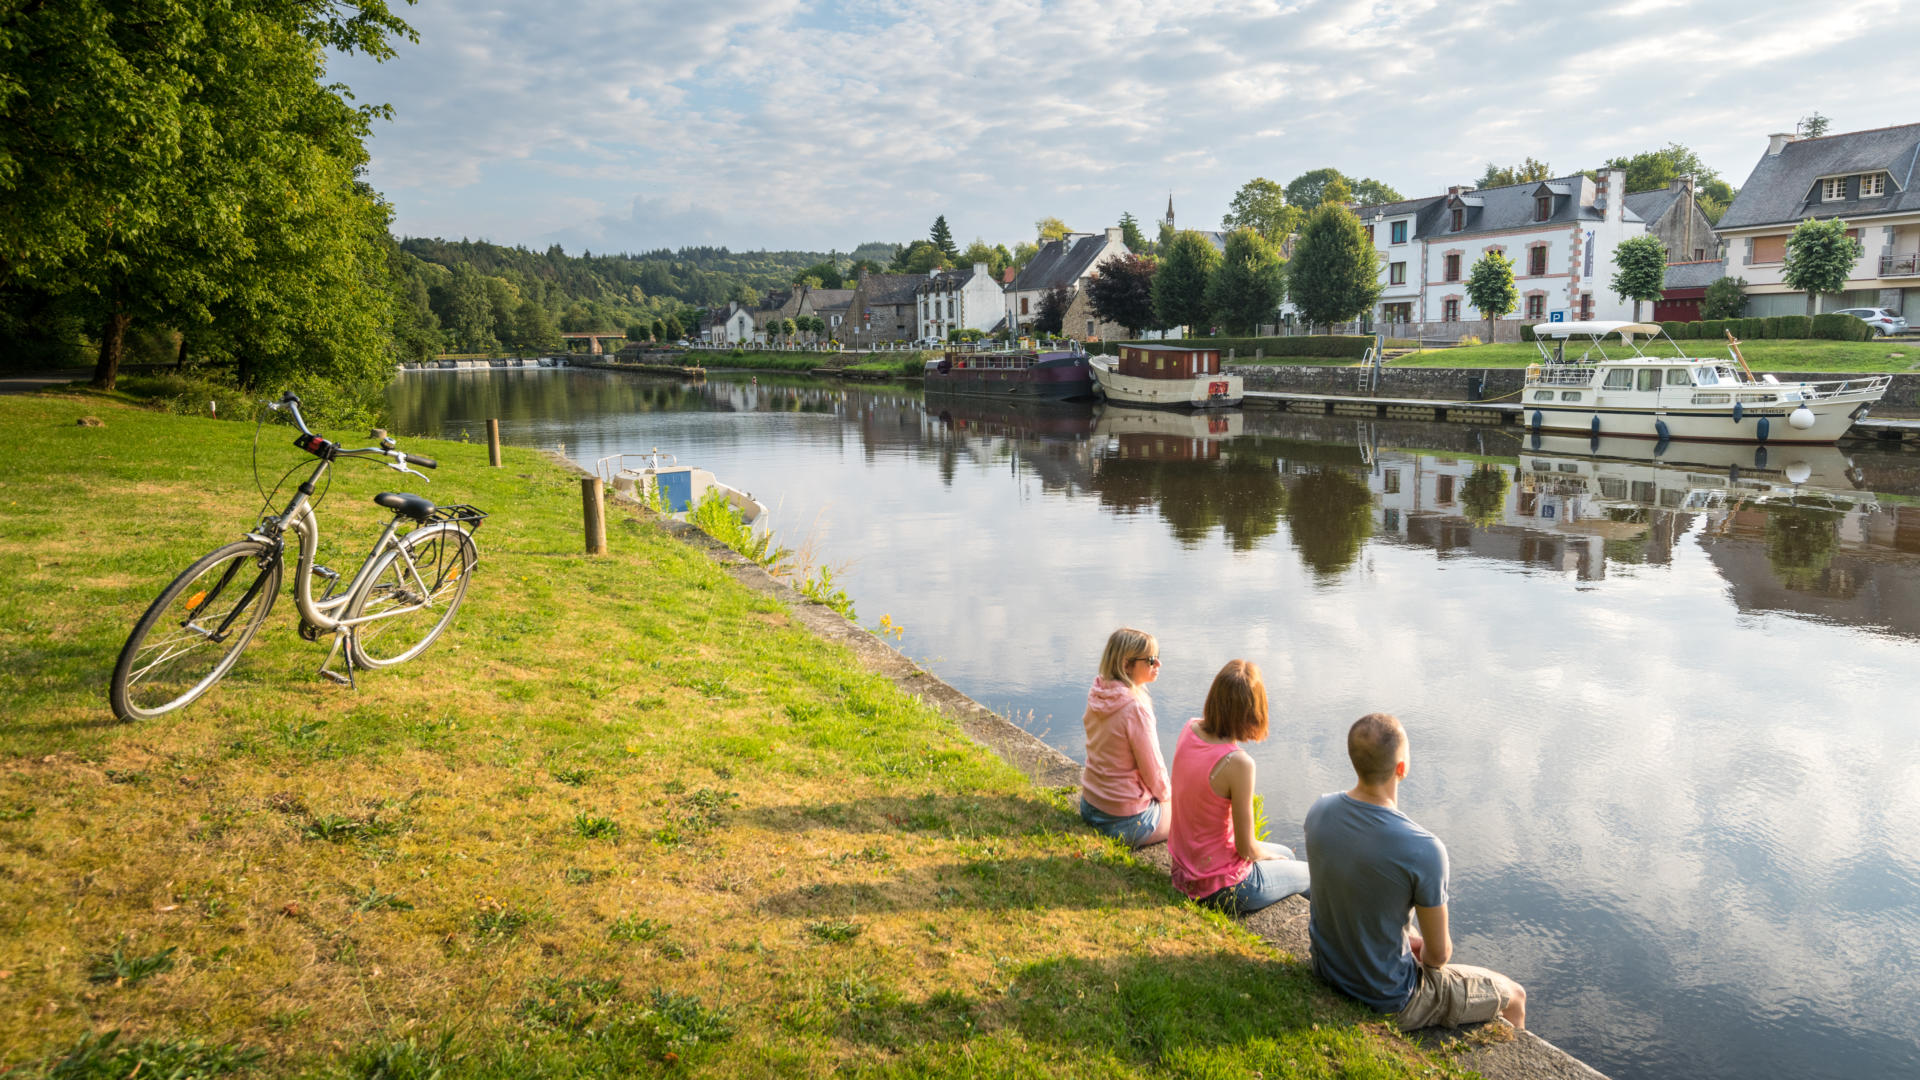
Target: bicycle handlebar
{"x":319,"y":446}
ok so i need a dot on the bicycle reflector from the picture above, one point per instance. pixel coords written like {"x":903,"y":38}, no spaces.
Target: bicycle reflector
{"x":315,"y":445}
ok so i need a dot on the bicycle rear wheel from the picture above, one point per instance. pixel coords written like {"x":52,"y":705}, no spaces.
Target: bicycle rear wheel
{"x":191,"y":636}
{"x":411,"y":596}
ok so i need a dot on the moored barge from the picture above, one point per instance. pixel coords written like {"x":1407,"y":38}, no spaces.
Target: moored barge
{"x":1039,"y":375}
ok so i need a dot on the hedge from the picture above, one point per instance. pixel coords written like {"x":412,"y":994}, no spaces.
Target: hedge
{"x":1344,"y":346}
{"x":1841,"y":328}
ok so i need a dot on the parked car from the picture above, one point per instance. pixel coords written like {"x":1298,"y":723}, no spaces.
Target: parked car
{"x":1886,"y":322}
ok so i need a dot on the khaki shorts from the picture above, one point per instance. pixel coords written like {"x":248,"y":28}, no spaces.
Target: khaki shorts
{"x":1451,"y":996}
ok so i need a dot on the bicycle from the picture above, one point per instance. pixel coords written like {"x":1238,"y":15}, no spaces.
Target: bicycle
{"x":401,"y":598}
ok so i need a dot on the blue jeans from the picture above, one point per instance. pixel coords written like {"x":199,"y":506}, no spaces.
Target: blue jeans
{"x":1134,"y":829}
{"x":1266,"y":884}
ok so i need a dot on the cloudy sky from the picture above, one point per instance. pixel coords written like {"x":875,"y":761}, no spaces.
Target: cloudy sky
{"x":627,"y":125}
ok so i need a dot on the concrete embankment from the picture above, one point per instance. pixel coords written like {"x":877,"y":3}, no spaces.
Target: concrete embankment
{"x":1284,"y":926}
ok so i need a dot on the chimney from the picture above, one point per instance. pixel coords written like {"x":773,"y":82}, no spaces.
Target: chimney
{"x":1113,"y":234}
{"x":980,"y":270}
{"x":1609,"y":195}
{"x":1453,"y":192}
{"x":863,"y":275}
{"x":1778,"y":141}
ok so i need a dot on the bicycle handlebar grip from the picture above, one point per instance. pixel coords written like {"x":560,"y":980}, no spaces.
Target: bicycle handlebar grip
{"x":290,"y":397}
{"x":423,"y":462}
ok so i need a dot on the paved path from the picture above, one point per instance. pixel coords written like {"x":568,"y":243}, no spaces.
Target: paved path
{"x":23,"y":382}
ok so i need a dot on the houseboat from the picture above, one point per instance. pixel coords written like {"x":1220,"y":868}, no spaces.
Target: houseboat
{"x":1167,"y":375}
{"x":1036,"y":374}
{"x":1627,"y":392}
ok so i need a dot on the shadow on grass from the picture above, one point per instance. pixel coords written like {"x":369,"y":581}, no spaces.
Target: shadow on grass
{"x":950,"y":816}
{"x":987,"y":883}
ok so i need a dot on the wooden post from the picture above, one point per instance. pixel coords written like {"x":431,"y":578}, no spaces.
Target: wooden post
{"x":595,"y":515}
{"x":493,"y":443}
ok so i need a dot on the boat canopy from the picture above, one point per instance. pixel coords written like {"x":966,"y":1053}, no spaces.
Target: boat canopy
{"x":1596,"y":328}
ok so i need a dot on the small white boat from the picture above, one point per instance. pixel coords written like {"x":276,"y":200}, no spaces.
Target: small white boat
{"x":1678,"y":397}
{"x":681,"y":487}
{"x":1167,"y":375}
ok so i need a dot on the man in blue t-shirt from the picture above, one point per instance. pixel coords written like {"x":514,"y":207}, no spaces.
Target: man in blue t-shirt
{"x":1369,"y":863}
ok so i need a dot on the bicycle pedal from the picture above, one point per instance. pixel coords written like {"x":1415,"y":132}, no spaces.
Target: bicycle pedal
{"x":308,"y":631}
{"x":343,"y":680}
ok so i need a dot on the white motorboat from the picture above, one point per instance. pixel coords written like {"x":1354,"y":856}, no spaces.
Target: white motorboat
{"x":681,"y":487}
{"x":1591,"y":478}
{"x":1678,"y":397}
{"x":1167,"y":375}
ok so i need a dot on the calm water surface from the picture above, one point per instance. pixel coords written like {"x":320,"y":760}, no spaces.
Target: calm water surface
{"x":1661,"y":713}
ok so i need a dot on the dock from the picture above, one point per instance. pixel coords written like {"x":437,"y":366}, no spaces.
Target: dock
{"x":1486,"y":412}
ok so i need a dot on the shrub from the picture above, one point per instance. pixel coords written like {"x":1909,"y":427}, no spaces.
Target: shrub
{"x":189,"y":394}
{"x":1795,"y":326}
{"x":1840,"y":328}
{"x":1470,"y":339}
{"x":1753,"y":328}
{"x":1725,"y":298}
{"x":1674,"y":329}
{"x":1526,"y":332}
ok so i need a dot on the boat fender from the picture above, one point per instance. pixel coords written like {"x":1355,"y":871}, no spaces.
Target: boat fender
{"x":1593,"y":444}
{"x":1595,"y":426}
{"x":1739,"y":411}
{"x":1733,"y":474}
{"x":1538,"y":419}
{"x":1660,"y":448}
{"x":1660,"y":429}
{"x":1801,"y":418}
{"x":1759,"y":457}
{"x":1760,"y":429}
{"x":1538,"y":439}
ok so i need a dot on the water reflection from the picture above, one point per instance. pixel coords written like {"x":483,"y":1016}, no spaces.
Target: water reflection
{"x":1661,"y":696}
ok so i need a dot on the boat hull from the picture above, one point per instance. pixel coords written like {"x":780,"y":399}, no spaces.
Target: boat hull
{"x":1831,"y":420}
{"x":1063,"y":378}
{"x":1203,"y":392}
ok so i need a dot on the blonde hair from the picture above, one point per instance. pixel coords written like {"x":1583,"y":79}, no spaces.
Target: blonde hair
{"x":1236,"y":705}
{"x":1124,"y":646}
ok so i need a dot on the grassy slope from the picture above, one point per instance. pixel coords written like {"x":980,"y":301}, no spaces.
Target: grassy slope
{"x":623,"y":818}
{"x":1762,"y":355}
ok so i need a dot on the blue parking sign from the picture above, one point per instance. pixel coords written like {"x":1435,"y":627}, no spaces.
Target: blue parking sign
{"x":1557,"y":316}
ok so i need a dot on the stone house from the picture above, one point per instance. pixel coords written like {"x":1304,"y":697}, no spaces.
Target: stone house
{"x":960,"y":299}
{"x":1870,"y":179}
{"x":883,"y":308}
{"x":1066,"y":262}
{"x":1083,"y":324}
{"x":1672,"y":215}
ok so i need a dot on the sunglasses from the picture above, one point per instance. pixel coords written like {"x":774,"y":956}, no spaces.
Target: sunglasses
{"x":1154,"y":660}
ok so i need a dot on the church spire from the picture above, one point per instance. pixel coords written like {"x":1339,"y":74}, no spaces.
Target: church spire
{"x":1169,"y":221}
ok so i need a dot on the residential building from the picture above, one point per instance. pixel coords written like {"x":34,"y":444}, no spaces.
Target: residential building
{"x":1394,"y":229}
{"x":959,"y":299}
{"x":1064,"y":263}
{"x":1672,"y":215}
{"x":830,"y":307}
{"x":1686,"y":287}
{"x":731,"y":325}
{"x":1869,"y":179}
{"x":883,"y":308}
{"x":1084,"y":324}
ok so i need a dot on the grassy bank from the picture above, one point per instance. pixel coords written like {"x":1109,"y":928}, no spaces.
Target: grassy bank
{"x":623,"y":819}
{"x":778,"y":360}
{"x":1764,"y":355}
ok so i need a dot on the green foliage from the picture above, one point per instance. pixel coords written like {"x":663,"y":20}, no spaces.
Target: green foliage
{"x":103,"y":1057}
{"x":1490,"y":287}
{"x":996,"y":257}
{"x":1329,"y":516}
{"x":1122,"y":292}
{"x":1789,"y":326}
{"x":825,"y":274}
{"x":1483,"y":494}
{"x":1186,"y":266}
{"x":1312,"y":188}
{"x":1331,"y":346}
{"x":819,"y":588}
{"x":1052,"y":316}
{"x":1334,"y":274}
{"x":1820,"y":258}
{"x":1526,"y":172}
{"x":717,"y":518}
{"x":1640,"y":270}
{"x":1655,"y":169}
{"x":1247,"y":288}
{"x":1815,"y":125}
{"x":1130,"y":234}
{"x":1840,"y":328}
{"x":124,"y":968}
{"x":1050,"y":228}
{"x":942,"y":237}
{"x":1725,"y":298}
{"x":919,"y":257}
{"x":1261,"y":205}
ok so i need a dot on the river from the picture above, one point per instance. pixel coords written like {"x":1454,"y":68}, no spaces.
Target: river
{"x":1661,"y":713}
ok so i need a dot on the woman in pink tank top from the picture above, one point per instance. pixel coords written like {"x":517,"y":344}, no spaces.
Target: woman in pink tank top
{"x":1216,"y":859}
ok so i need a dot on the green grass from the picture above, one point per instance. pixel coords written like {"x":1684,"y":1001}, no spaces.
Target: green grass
{"x":808,"y":873}
{"x":1810,"y":354}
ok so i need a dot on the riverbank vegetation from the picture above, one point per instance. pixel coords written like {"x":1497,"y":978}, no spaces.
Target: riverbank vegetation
{"x":626,"y":817}
{"x":1810,"y":354}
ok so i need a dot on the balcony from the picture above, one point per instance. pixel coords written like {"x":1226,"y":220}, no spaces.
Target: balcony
{"x":1894,"y":266}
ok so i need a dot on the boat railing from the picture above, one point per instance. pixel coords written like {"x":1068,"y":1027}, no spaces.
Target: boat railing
{"x":614,"y":464}
{"x":1834,"y":388}
{"x":1562,"y":374}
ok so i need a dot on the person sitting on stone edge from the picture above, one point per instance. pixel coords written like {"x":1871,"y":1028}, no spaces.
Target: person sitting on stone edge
{"x":1370,"y":864}
{"x":1123,"y":790}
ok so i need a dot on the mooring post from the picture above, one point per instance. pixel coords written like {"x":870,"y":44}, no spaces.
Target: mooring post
{"x":594,"y":513}
{"x":493,"y":443}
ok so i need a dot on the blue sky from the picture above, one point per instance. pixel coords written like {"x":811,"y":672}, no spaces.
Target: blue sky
{"x":628,"y":126}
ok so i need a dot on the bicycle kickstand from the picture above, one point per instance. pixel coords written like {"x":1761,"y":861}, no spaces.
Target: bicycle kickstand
{"x":340,"y":638}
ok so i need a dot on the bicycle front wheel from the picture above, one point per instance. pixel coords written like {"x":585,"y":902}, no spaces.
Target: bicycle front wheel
{"x":411,"y":596}
{"x":192,"y":635}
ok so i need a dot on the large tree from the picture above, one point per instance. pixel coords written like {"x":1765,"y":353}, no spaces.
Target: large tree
{"x":1640,"y":270}
{"x":1122,"y":292}
{"x":1051,"y":228}
{"x":1334,"y":274}
{"x":1130,"y":233}
{"x":1526,"y":172}
{"x":1654,"y":169}
{"x":1247,"y":288}
{"x":996,"y":258}
{"x":1261,"y":205}
{"x":182,"y":165}
{"x":1308,"y":190}
{"x":826,"y":274}
{"x":1052,"y":316}
{"x":1180,"y":283}
{"x":1490,"y":288}
{"x":1820,"y":258}
{"x":942,"y":237}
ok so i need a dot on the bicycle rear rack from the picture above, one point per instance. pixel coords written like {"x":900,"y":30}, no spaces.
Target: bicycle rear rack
{"x":459,"y":514}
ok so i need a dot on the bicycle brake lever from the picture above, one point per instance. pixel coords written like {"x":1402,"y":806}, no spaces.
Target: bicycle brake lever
{"x":397,"y":467}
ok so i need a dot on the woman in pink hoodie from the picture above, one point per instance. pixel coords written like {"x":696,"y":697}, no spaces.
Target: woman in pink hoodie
{"x":1123,"y":791}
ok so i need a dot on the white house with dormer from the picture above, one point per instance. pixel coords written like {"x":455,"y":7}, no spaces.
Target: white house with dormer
{"x":1064,"y":263}
{"x":959,"y":299}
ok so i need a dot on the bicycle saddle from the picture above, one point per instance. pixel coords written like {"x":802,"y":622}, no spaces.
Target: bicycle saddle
{"x":413,"y":506}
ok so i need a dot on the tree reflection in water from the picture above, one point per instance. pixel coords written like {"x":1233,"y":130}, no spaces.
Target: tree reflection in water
{"x":1801,"y":538}
{"x":1236,"y":490}
{"x":1329,"y":514}
{"x":1483,"y":494}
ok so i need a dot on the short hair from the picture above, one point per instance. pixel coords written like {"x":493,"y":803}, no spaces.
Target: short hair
{"x":1373,"y":745}
{"x":1124,"y":646}
{"x":1236,"y":705}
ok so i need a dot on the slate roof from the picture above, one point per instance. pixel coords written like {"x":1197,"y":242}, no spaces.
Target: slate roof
{"x":955,"y":278}
{"x":1695,"y":275}
{"x":1396,"y":209}
{"x":1060,"y":262}
{"x":1511,"y":207}
{"x":1651,"y":206}
{"x":892,"y":288}
{"x":829,"y":299}
{"x":1782,"y":187}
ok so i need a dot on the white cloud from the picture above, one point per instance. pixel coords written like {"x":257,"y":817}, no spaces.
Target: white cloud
{"x":786,"y":123}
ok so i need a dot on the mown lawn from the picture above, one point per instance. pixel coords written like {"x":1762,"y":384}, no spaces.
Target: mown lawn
{"x":625,"y":818}
{"x":1762,"y":355}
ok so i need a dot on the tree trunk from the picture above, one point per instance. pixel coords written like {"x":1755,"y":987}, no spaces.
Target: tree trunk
{"x":180,"y":360}
{"x":1813,"y":301}
{"x":1636,"y":309}
{"x":113,"y":339}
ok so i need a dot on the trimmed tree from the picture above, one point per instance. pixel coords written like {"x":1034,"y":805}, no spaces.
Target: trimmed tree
{"x":1247,"y":289}
{"x":1187,"y":263}
{"x":1334,"y":274}
{"x":1122,"y":292}
{"x":1640,"y":271}
{"x":1820,"y":258}
{"x":1725,"y":299}
{"x":1490,"y":288}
